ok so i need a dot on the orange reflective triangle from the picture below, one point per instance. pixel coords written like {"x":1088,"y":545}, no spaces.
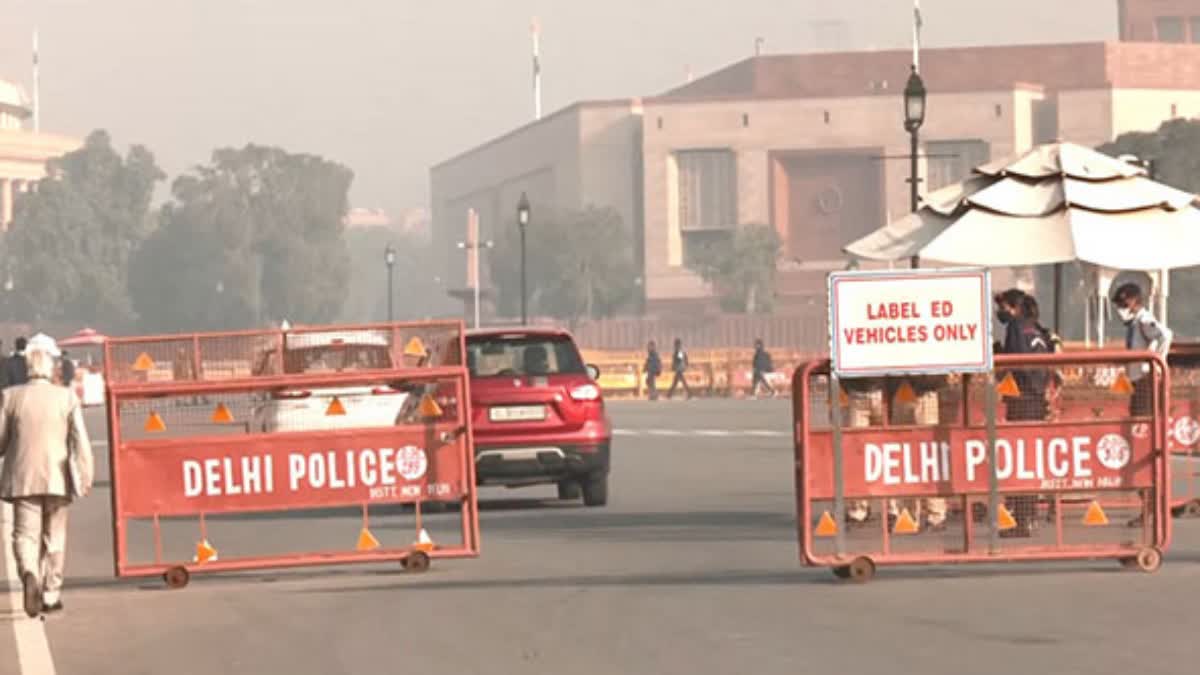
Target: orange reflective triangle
{"x":423,"y":542}
{"x":1095,"y":515}
{"x":335,"y":407}
{"x":429,"y":407}
{"x":905,"y":524}
{"x":222,"y":415}
{"x":1008,"y":387}
{"x":366,"y":541}
{"x":1004,"y":519}
{"x":826,"y":527}
{"x":1121,"y":385}
{"x":155,"y":423}
{"x":414,"y":347}
{"x":205,"y":552}
{"x":843,"y":399}
{"x":905,"y":393}
{"x":143,"y":362}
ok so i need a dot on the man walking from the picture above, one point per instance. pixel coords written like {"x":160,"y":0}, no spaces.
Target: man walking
{"x":15,"y":369}
{"x":761,"y":365}
{"x":47,"y":463}
{"x":652,"y":368}
{"x":679,"y":365}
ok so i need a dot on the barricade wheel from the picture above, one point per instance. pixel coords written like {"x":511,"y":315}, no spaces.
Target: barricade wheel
{"x":1149,"y":560}
{"x":842,"y":572}
{"x":417,"y":561}
{"x":176,"y":577}
{"x":861,"y":570}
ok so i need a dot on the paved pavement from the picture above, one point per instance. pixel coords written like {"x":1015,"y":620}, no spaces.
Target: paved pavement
{"x":692,"y":568}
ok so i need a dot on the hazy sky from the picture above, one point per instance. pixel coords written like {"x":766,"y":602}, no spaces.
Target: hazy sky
{"x":390,"y":87}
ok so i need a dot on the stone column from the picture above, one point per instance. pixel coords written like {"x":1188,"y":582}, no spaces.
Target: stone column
{"x":6,"y":203}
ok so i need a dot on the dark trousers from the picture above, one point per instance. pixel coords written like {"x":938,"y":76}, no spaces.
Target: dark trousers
{"x":679,"y":379}
{"x":652,"y":386}
{"x":1029,"y":407}
{"x":760,"y":378}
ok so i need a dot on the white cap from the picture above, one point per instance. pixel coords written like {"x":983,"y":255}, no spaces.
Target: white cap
{"x":43,"y":343}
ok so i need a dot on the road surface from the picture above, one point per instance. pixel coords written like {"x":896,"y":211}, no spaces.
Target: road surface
{"x":692,"y":568}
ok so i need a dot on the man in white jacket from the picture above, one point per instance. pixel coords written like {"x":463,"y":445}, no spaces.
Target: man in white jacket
{"x":1143,"y":332}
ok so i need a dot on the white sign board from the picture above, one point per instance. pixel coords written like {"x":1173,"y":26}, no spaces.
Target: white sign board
{"x":910,"y":322}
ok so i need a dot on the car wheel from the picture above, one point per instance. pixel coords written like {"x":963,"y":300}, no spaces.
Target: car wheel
{"x":595,"y":490}
{"x":569,"y":490}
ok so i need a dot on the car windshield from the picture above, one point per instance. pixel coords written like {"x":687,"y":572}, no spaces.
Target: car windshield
{"x":503,"y":355}
{"x":336,"y":358}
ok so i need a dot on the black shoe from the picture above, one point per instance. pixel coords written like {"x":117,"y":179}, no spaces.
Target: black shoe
{"x":33,"y":594}
{"x":50,"y":609}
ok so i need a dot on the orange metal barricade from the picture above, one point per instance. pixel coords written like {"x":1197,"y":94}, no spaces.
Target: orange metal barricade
{"x":284,"y":449}
{"x":915,"y":482}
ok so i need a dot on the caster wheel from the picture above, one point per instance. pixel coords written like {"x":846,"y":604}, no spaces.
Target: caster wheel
{"x":416,"y":562}
{"x":1149,"y":560}
{"x":841,"y":572}
{"x":176,"y":577}
{"x":860,"y":570}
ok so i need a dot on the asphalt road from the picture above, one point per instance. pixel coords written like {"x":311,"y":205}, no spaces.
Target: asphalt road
{"x":692,"y":568}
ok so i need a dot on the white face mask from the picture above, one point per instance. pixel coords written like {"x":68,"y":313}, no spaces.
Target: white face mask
{"x":1126,"y":314}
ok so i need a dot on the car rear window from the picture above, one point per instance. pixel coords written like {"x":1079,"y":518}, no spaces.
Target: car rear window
{"x":505,"y":356}
{"x":336,"y":358}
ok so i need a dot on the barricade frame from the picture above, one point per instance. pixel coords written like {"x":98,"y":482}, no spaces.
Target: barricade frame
{"x":861,"y":567}
{"x":422,"y":378}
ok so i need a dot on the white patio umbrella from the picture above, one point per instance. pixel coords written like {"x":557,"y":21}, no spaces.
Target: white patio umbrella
{"x":1057,"y":203}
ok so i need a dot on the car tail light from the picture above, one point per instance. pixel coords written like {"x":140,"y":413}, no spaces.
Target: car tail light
{"x":290,"y":395}
{"x":587,"y":392}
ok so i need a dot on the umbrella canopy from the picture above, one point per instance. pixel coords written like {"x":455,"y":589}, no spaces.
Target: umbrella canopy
{"x":1057,"y":203}
{"x":83,"y":338}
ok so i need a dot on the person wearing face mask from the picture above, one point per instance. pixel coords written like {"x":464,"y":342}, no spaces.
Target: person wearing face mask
{"x":1143,"y":332}
{"x":1023,"y":335}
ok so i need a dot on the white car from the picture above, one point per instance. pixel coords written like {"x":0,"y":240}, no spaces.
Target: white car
{"x":337,"y":407}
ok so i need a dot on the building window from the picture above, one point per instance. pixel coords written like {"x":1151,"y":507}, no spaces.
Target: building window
{"x":952,"y":161}
{"x":707,"y":198}
{"x":1169,"y":29}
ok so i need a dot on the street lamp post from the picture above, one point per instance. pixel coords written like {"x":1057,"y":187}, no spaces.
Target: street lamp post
{"x":389,"y":258}
{"x":914,"y":117}
{"x":522,"y":222}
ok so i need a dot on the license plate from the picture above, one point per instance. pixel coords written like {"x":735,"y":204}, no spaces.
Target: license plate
{"x":517,"y":413}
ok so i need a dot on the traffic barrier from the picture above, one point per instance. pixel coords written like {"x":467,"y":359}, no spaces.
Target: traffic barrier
{"x":316,"y":447}
{"x":1183,"y":428}
{"x":916,"y":482}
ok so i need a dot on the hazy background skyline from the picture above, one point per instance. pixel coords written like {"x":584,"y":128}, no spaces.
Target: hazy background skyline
{"x":390,"y":88}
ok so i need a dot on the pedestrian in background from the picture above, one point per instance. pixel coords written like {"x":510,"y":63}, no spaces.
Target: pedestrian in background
{"x":1143,"y":332}
{"x":47,"y":464}
{"x":68,"y":371}
{"x":679,"y":366}
{"x":1023,"y":335}
{"x":761,"y":365}
{"x":15,"y":370}
{"x":652,"y":368}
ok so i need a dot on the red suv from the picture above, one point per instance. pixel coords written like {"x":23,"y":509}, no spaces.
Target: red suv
{"x":538,"y":414}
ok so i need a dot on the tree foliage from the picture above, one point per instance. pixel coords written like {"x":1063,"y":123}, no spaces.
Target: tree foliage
{"x":71,"y":241}
{"x":579,"y":265}
{"x":256,"y":235}
{"x":742,"y":268}
{"x":1174,"y":149}
{"x":417,"y":292}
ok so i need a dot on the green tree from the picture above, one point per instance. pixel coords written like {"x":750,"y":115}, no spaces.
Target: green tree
{"x":68,"y":250}
{"x":254,"y":236}
{"x":1174,"y":149}
{"x":742,"y":268}
{"x":579,"y":265}
{"x":417,"y":292}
